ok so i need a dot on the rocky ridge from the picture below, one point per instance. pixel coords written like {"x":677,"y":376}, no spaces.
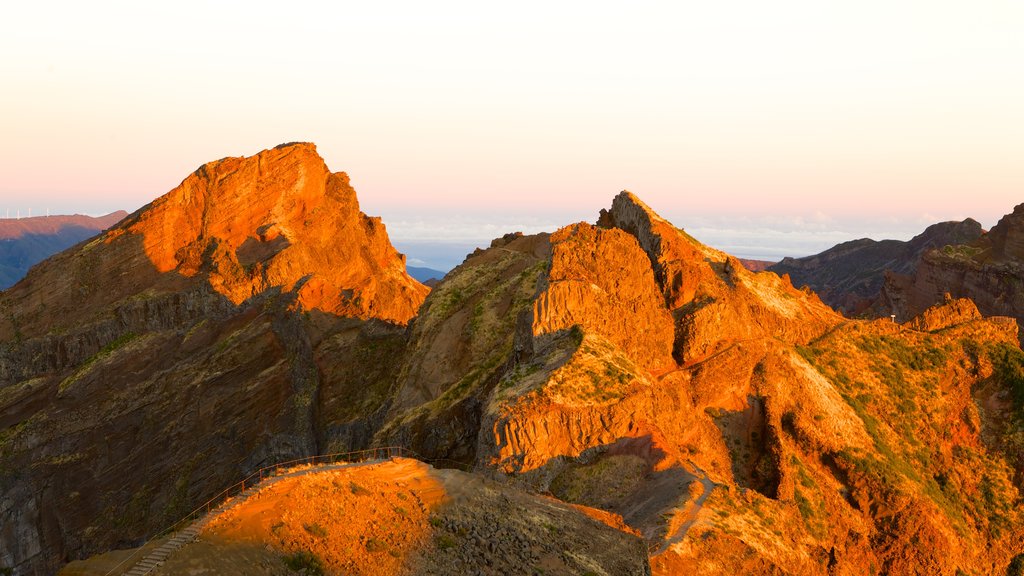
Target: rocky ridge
{"x":718,"y":410}
{"x":399,"y":517}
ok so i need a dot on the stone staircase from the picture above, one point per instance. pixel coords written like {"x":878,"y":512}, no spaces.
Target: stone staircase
{"x":159,"y":555}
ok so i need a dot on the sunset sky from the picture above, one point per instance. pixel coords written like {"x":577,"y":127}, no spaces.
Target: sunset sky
{"x":764,"y":128}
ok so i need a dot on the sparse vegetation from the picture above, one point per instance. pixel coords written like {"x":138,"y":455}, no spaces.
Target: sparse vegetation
{"x":445,"y":541}
{"x":374,"y":545}
{"x":1008,"y":362}
{"x":305,"y":562}
{"x":315,"y":529}
{"x":961,"y":251}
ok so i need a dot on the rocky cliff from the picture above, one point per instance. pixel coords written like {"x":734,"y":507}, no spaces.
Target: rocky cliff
{"x":989,"y":271}
{"x":207,"y":334}
{"x":849,"y":276}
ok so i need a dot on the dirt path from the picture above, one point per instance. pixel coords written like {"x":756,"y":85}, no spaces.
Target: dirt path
{"x":677,"y":534}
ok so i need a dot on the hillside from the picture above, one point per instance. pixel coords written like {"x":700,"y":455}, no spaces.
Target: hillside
{"x":398,"y":517}
{"x":849,"y":276}
{"x":25,"y":242}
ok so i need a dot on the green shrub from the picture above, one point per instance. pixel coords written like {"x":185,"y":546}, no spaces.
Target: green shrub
{"x":445,"y":541}
{"x":304,"y":561}
{"x":316,"y":530}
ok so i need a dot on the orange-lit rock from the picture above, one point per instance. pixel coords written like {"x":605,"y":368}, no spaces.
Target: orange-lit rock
{"x":242,"y":226}
{"x":715,"y":300}
{"x":601,"y":281}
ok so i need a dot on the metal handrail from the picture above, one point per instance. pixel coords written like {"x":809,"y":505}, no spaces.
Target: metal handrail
{"x":265,"y":472}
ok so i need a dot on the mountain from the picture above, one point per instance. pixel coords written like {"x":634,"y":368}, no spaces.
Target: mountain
{"x":144,"y":370}
{"x":989,"y":270}
{"x":424,"y":274}
{"x":849,"y":276}
{"x":25,"y":242}
{"x":739,"y":424}
{"x":620,"y":368}
{"x":756,"y":265}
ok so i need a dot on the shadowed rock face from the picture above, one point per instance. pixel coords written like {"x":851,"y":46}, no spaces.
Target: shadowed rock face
{"x":989,"y":271}
{"x":849,"y":276}
{"x":1007,"y":236}
{"x":143,"y":371}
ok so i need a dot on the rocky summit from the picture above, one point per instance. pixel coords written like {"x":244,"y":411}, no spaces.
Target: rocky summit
{"x":622,"y":398}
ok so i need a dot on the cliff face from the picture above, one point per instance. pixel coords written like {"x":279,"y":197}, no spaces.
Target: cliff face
{"x":989,"y":271}
{"x":849,"y":276}
{"x":207,"y":334}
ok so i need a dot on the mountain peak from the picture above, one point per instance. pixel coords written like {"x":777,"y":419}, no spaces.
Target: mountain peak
{"x":277,"y":220}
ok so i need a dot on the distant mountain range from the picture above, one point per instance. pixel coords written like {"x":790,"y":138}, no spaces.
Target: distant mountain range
{"x":424,"y":274}
{"x":849,"y":276}
{"x":25,"y":242}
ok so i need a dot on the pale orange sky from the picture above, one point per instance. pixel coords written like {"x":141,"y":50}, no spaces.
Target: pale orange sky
{"x":828,"y":120}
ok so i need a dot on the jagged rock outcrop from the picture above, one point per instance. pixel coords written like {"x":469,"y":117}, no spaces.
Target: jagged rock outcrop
{"x":715,"y":300}
{"x":849,"y":276}
{"x":234,"y":322}
{"x":25,"y":242}
{"x":1007,"y":237}
{"x":600,"y":281}
{"x":241,"y":226}
{"x":950,"y":313}
{"x":989,"y":271}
